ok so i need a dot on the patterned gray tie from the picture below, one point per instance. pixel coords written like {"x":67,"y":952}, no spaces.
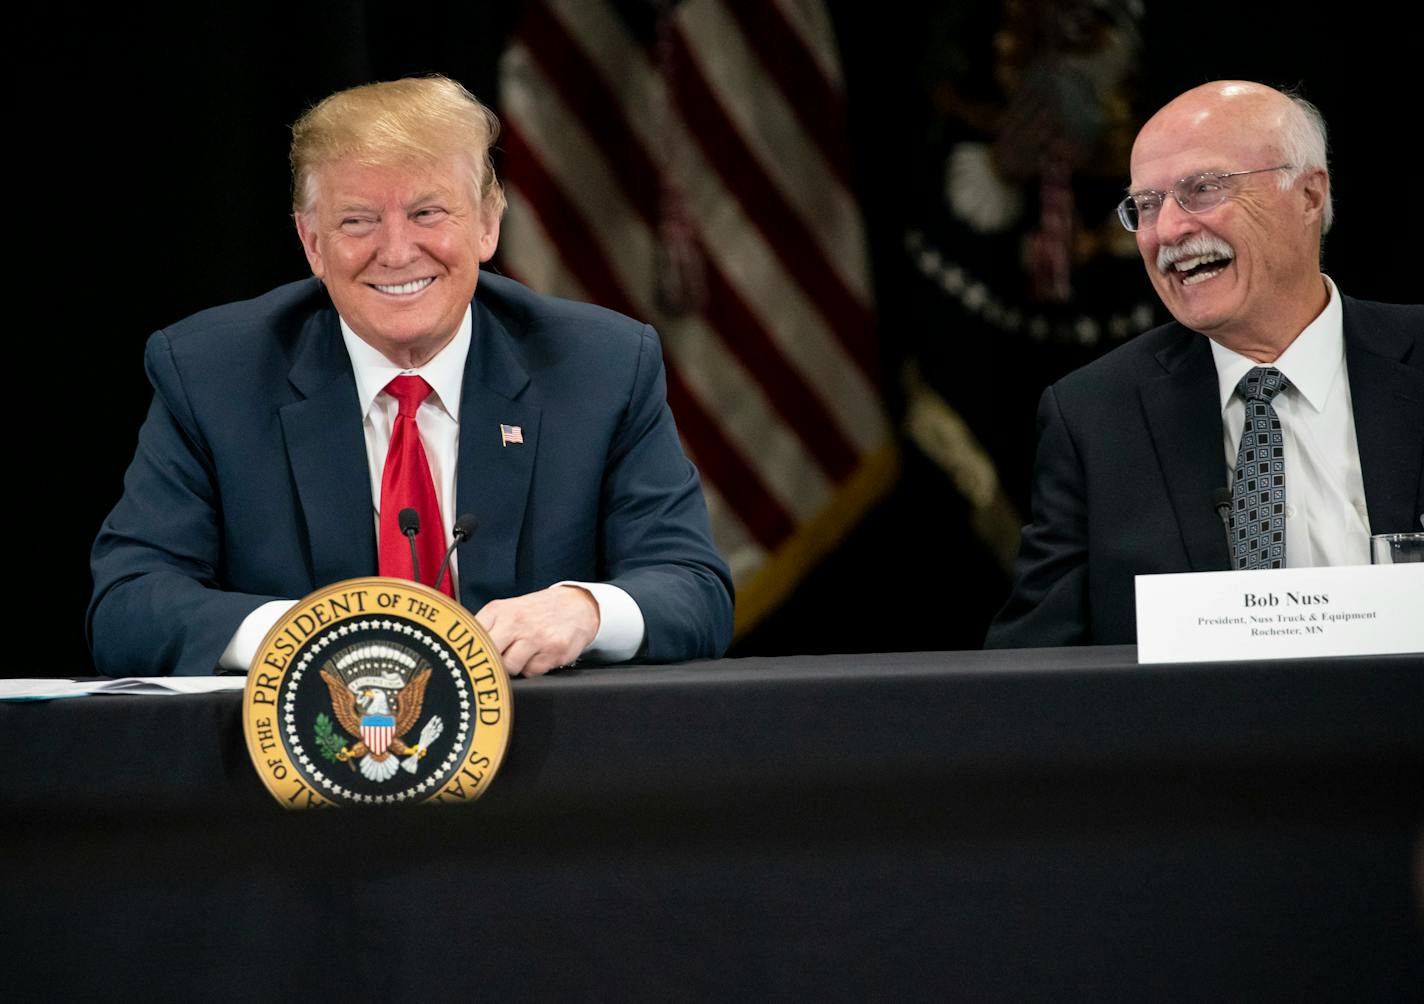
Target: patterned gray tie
{"x":1258,"y":491}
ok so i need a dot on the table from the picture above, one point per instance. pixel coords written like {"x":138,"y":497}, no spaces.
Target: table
{"x":1044,"y":824}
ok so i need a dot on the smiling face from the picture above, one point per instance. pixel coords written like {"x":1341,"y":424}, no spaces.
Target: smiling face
{"x":399,"y":248}
{"x":1246,"y":273}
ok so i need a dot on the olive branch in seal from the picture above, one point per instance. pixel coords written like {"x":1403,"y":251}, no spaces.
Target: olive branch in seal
{"x":328,"y":742}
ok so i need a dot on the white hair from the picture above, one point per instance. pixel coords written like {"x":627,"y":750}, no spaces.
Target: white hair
{"x":1303,"y":144}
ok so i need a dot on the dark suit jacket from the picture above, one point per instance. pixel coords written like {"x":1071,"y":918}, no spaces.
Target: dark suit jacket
{"x":1130,"y":457}
{"x":250,"y":481}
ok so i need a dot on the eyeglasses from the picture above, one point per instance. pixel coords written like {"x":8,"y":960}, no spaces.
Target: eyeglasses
{"x":1196,"y":194}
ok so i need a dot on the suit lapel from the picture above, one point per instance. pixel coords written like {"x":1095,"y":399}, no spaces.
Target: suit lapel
{"x":1184,"y":419}
{"x":493,"y":478}
{"x":326,"y":449}
{"x":1388,"y":401}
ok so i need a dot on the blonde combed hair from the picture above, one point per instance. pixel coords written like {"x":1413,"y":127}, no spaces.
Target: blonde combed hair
{"x":413,"y":120}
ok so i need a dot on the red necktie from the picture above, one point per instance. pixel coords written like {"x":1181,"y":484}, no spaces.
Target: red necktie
{"x":406,"y":484}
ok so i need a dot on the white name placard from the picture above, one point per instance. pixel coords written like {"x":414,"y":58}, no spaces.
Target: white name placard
{"x":1280,"y":613}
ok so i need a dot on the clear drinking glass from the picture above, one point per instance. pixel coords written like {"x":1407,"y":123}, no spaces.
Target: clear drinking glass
{"x":1396,"y":548}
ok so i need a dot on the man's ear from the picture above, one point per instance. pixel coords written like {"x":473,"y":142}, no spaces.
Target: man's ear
{"x":306,"y":231}
{"x":489,"y":236}
{"x":1315,"y":185}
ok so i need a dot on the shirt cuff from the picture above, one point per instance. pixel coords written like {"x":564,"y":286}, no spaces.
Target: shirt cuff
{"x":254,"y":627}
{"x":620,"y":623}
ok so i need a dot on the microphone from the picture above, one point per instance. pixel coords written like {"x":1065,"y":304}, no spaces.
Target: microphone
{"x":409,"y":521}
{"x":462,"y":531}
{"x":1221,"y":498}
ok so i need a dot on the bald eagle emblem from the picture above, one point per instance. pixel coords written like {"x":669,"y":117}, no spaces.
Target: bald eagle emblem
{"x":377,"y":690}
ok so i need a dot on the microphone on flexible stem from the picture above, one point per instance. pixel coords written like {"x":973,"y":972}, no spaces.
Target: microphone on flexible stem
{"x":464,"y":527}
{"x":1221,"y":498}
{"x":409,"y":521}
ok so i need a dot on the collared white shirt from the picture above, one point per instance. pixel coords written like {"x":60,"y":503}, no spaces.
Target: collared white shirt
{"x":1326,"y":519}
{"x":621,"y":626}
{"x":437,"y":418}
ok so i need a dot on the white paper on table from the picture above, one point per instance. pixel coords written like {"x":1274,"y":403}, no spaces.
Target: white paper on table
{"x":160,"y":686}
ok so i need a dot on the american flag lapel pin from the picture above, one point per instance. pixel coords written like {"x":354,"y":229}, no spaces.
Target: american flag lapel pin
{"x":510,"y":434}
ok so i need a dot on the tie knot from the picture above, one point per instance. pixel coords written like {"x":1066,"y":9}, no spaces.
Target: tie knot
{"x":1262,"y":384}
{"x":409,"y":392}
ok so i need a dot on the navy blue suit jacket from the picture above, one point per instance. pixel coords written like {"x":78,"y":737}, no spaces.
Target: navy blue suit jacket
{"x":1130,"y":458}
{"x":250,"y":481}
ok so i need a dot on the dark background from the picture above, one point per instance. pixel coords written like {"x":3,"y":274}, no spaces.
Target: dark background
{"x":151,"y":154}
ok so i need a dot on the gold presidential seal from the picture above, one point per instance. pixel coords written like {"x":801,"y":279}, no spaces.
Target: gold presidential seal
{"x":376,"y":691}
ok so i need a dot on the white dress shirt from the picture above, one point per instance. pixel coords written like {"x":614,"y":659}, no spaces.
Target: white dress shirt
{"x":620,"y":627}
{"x":1326,"y":519}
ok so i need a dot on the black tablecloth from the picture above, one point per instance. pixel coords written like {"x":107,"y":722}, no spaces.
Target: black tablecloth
{"x":1010,"y":825}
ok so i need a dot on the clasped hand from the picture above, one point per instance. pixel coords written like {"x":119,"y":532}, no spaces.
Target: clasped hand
{"x":537,"y":632}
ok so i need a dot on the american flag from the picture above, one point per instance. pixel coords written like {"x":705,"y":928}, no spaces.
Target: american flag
{"x":510,"y":434}
{"x":686,"y":164}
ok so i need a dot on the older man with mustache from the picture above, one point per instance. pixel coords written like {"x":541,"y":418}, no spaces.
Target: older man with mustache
{"x":1298,"y":420}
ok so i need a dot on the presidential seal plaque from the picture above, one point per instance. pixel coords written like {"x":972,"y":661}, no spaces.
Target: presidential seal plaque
{"x":376,"y":692}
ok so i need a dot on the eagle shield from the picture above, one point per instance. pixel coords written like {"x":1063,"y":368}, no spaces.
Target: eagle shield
{"x":377,"y":731}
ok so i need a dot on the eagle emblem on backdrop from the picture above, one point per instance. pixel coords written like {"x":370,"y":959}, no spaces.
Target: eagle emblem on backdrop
{"x":1020,"y":271}
{"x":377,"y":692}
